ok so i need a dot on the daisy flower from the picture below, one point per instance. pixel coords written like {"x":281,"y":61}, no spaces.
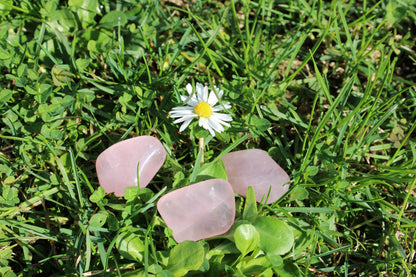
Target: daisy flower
{"x":203,"y":106}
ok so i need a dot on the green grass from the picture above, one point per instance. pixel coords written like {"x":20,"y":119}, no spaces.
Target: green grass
{"x":328,"y":88}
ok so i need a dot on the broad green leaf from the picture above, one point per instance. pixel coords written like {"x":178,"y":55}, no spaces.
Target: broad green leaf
{"x":7,"y":271}
{"x":130,"y":193}
{"x":311,"y":170}
{"x":246,"y":238}
{"x":66,"y":20}
{"x":22,"y":70}
{"x":99,"y":219}
{"x":288,"y":269}
{"x":275,"y":260}
{"x":86,"y":10}
{"x":130,"y":246}
{"x":250,"y":207}
{"x":60,"y":76}
{"x":5,"y":96}
{"x":112,"y":222}
{"x":186,"y":256}
{"x":393,"y":14}
{"x":275,"y":235}
{"x":97,"y":195}
{"x":51,"y":132}
{"x":9,"y":196}
{"x":267,"y":273}
{"x":260,"y":124}
{"x":5,"y":7}
{"x":45,"y":91}
{"x":299,"y":193}
{"x":213,"y":170}
{"x":255,"y":266}
{"x":4,"y":54}
{"x":157,"y":269}
{"x":113,"y":19}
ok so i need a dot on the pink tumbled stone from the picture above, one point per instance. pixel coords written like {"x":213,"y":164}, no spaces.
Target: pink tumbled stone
{"x":117,"y":165}
{"x":255,"y":168}
{"x":202,"y":210}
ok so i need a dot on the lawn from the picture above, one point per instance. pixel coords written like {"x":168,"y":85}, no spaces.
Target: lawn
{"x":326,"y":88}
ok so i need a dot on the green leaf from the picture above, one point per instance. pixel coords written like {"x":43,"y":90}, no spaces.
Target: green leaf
{"x":246,"y":238}
{"x":130,"y":193}
{"x":186,"y":256}
{"x":250,"y":207}
{"x":288,"y":269}
{"x":60,"y":75}
{"x":66,"y":19}
{"x":260,"y":124}
{"x":255,"y":266}
{"x":112,"y":222}
{"x":299,"y":193}
{"x":9,"y":196}
{"x":5,"y":7}
{"x":130,"y":246}
{"x":99,"y":219}
{"x":113,"y":19}
{"x":6,"y":271}
{"x":213,"y":170}
{"x":5,"y":96}
{"x":267,"y":273}
{"x":392,"y":13}
{"x":275,"y":260}
{"x":86,"y":10}
{"x":311,"y":170}
{"x":51,"y":132}
{"x":275,"y":235}
{"x":97,"y":195}
{"x":4,"y":54}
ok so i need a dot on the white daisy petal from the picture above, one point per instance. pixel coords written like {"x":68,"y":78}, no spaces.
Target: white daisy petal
{"x":212,"y":99}
{"x":189,"y":88}
{"x":211,"y":132}
{"x":222,"y":116}
{"x":223,"y":123}
{"x":219,"y":93}
{"x":184,"y":118}
{"x":182,"y":108}
{"x":208,"y":127}
{"x":185,"y":124}
{"x":181,"y":113}
{"x":205,"y":94}
{"x":184,"y":98}
{"x":215,"y":125}
{"x":208,"y":113}
{"x":222,"y":106}
{"x":189,"y":100}
{"x":203,"y":122}
{"x":199,"y":92}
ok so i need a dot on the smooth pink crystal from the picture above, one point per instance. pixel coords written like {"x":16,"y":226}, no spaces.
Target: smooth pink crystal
{"x":117,"y":165}
{"x":202,"y":210}
{"x":255,"y":168}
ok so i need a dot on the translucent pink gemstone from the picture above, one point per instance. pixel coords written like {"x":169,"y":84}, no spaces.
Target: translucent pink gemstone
{"x":202,"y":210}
{"x":117,"y":165}
{"x":254,"y":167}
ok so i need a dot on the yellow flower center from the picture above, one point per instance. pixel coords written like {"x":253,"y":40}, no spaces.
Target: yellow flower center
{"x":203,"y":109}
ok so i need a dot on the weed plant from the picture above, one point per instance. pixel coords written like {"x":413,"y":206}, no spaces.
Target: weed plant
{"x":327,"y":88}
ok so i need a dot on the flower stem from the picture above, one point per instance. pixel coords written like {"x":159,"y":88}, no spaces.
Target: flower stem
{"x":201,"y":147}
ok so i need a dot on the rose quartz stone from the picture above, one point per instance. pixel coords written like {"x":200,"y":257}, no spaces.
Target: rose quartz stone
{"x":202,"y":210}
{"x":255,"y":168}
{"x":117,"y":165}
